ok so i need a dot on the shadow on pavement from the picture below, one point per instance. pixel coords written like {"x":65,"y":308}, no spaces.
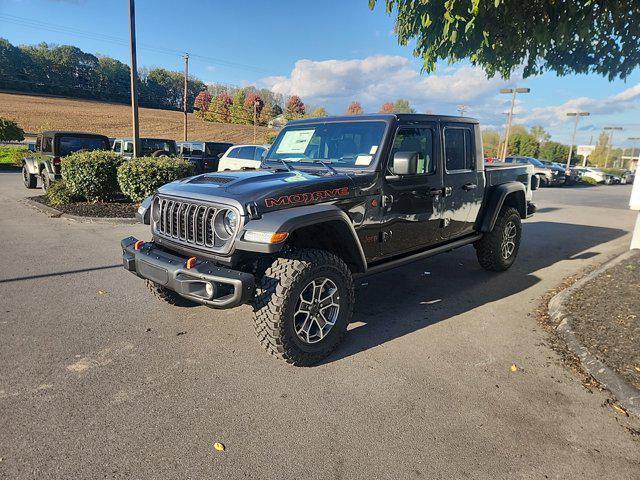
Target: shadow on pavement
{"x":398,"y":302}
{"x":58,"y":274}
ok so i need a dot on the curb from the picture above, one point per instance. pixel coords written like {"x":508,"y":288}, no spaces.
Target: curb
{"x":55,"y":213}
{"x":627,"y":395}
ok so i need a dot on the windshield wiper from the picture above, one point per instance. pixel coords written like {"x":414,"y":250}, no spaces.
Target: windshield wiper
{"x":325,"y":165}
{"x":286,"y":164}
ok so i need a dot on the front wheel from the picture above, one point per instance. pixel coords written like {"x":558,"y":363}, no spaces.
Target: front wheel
{"x":303,"y":305}
{"x":29,"y":179}
{"x":497,"y":249}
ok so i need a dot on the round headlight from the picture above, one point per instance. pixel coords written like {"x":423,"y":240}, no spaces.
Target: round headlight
{"x":155,"y":210}
{"x":225,"y":223}
{"x":230,"y":221}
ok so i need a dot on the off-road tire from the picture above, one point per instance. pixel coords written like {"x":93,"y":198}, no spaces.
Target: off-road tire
{"x":277,"y":296}
{"x":168,"y":296}
{"x":489,"y":249}
{"x":29,"y":179}
{"x":160,"y":153}
{"x":45,"y":180}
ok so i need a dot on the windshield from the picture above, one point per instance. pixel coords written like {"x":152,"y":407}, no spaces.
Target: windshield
{"x":345,"y":144}
{"x":68,"y":145}
{"x":536,"y":162}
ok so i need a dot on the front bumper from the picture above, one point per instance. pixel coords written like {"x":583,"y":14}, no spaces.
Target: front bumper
{"x":205,"y":283}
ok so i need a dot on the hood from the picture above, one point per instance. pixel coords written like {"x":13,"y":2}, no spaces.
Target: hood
{"x":268,"y":189}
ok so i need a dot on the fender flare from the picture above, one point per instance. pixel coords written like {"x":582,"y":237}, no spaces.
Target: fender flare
{"x":495,"y":201}
{"x":291,"y":219}
{"x":31,"y":165}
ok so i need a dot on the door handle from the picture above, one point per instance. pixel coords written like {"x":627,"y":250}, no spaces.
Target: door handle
{"x":434,"y":192}
{"x":469,"y":186}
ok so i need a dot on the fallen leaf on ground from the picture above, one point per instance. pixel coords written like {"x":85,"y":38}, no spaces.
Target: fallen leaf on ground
{"x":514,"y":368}
{"x":637,"y":369}
{"x":101,"y":292}
{"x":219,"y":446}
{"x":619,"y":409}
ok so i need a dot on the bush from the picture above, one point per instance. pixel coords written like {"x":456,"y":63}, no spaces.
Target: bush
{"x":59,"y":194}
{"x":92,"y":175}
{"x":13,"y":155}
{"x":271,"y":137}
{"x":10,"y":131}
{"x":588,"y":181}
{"x":141,"y":177}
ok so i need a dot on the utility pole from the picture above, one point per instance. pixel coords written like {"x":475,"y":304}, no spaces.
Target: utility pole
{"x":255,"y":121}
{"x":186,"y":86}
{"x":461,"y":109}
{"x":513,"y":91}
{"x":573,"y":137}
{"x":134,"y":78}
{"x":611,"y":129}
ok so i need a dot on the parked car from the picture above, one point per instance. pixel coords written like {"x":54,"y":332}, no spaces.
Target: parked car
{"x":241,"y":157}
{"x":337,"y":198}
{"x":204,"y":155}
{"x":151,"y":147}
{"x":547,"y":174}
{"x":595,"y":173}
{"x":628,"y":177}
{"x":50,"y":147}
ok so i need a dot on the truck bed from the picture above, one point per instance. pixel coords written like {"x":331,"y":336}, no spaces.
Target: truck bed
{"x":500,"y":172}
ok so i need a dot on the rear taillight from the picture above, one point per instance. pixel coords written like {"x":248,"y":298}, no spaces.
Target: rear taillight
{"x":56,"y":160}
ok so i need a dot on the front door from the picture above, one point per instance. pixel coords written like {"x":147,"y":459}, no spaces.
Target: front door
{"x":412,"y":204}
{"x":463,"y":179}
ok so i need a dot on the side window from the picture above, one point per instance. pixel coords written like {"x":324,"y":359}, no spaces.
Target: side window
{"x":458,"y":149}
{"x":47,"y":144}
{"x":186,"y":149}
{"x":247,"y":152}
{"x":415,"y":139}
{"x":233,"y":153}
{"x":117,"y":147}
{"x":258,"y":154}
{"x":128,"y":147}
{"x":196,"y":149}
{"x":38,"y":143}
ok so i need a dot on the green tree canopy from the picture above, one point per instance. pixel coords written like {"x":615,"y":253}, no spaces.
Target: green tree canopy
{"x":10,"y":131}
{"x":572,"y":36}
{"x":490,"y":143}
{"x":403,"y":106}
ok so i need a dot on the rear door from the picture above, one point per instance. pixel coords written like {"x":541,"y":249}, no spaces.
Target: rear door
{"x":463,"y":178}
{"x":412,"y":204}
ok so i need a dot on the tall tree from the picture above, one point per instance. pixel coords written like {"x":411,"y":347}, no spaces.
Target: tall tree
{"x":554,"y":152}
{"x":201,"y":103}
{"x":238,"y":113}
{"x":220,"y":108}
{"x":294,"y":108}
{"x":594,"y":36}
{"x":490,"y":142}
{"x":523,"y":143}
{"x":540,"y":134}
{"x":387,"y":107}
{"x":253,"y":98}
{"x":355,"y":108}
{"x":403,"y":106}
{"x":319,"y":112}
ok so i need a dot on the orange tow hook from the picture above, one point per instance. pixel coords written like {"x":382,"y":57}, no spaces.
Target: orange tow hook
{"x":138,"y":245}
{"x":191,"y":262}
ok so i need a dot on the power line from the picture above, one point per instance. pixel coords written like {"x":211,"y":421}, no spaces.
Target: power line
{"x":36,"y":24}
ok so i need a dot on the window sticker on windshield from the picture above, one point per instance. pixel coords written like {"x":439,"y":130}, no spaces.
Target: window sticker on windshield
{"x":363,"y":159}
{"x":374,"y":149}
{"x":295,"y":141}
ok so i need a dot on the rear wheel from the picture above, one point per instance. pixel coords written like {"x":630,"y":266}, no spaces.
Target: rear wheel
{"x":29,"y":179}
{"x":303,"y":305}
{"x":45,"y":181}
{"x":497,"y":249}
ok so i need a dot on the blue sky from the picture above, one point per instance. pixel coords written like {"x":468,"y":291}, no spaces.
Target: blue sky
{"x":328,"y":52}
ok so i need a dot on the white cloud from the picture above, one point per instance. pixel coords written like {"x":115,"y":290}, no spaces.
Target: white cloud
{"x":556,"y":114}
{"x":377,"y":79}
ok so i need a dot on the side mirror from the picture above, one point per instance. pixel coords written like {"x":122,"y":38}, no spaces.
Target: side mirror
{"x":405,"y":163}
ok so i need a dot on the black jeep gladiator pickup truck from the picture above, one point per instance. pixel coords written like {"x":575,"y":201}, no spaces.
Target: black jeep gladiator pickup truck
{"x":336,"y":198}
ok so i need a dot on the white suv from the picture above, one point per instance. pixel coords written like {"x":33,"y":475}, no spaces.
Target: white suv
{"x":242,"y":156}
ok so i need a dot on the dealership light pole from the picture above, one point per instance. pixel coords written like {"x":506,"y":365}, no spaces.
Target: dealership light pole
{"x":186,"y":86}
{"x":513,"y":92}
{"x":611,"y":129}
{"x":573,"y":137}
{"x":134,"y":78}
{"x":461,"y":109}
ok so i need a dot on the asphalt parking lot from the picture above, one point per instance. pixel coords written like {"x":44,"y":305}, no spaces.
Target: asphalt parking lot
{"x":100,"y":380}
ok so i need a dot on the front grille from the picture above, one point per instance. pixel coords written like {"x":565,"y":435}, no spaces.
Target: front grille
{"x":189,"y":224}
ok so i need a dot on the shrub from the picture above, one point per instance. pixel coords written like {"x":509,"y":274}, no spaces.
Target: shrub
{"x":92,"y":175}
{"x":13,"y":155}
{"x":589,"y":181}
{"x":10,"y":131}
{"x":59,"y":194}
{"x":141,"y":177}
{"x":271,"y":137}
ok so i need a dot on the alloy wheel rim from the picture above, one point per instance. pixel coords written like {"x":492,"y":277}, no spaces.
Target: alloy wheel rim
{"x":25,"y":175}
{"x":317,"y":310}
{"x":509,"y":240}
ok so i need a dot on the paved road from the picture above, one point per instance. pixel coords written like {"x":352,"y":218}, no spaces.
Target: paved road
{"x":97,"y":379}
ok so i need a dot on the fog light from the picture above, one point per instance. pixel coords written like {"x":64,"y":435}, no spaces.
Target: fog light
{"x":209,"y":289}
